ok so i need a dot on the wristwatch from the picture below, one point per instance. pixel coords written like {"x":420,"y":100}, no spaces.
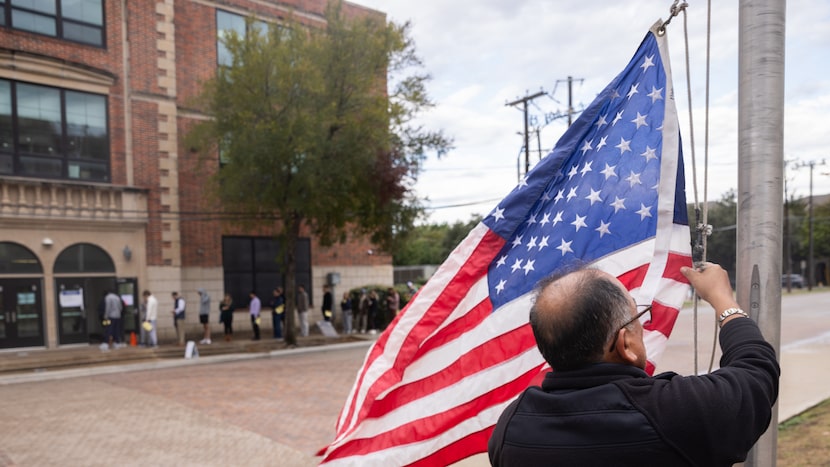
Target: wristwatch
{"x":729,"y":312}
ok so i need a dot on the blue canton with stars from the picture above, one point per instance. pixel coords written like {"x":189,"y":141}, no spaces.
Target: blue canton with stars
{"x":596,"y":192}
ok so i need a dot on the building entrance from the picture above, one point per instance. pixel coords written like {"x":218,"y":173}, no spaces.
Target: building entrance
{"x":21,"y":297}
{"x":21,"y":313}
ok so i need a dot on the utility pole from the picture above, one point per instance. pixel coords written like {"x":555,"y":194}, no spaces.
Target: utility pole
{"x":524,"y":100}
{"x":810,"y":270}
{"x":570,"y":82}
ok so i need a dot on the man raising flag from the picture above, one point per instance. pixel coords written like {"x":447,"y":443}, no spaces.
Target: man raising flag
{"x":611,"y":194}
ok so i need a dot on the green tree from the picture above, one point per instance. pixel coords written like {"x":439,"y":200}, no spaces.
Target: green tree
{"x":432,"y":243}
{"x":310,"y":136}
{"x":821,"y":237}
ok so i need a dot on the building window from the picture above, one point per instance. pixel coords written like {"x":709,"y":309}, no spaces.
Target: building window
{"x":227,"y":22}
{"x":49,"y":132}
{"x":254,"y":263}
{"x":75,"y":20}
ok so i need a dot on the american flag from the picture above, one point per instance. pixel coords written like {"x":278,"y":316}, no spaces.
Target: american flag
{"x":610,"y":194}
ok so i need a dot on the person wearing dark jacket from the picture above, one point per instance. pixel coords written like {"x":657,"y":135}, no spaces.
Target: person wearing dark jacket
{"x":598,"y":406}
{"x":327,"y":309}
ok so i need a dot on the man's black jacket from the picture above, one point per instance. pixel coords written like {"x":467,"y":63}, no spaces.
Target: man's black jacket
{"x":610,"y":414}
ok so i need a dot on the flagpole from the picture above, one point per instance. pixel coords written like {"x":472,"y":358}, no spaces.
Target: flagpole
{"x":760,"y":179}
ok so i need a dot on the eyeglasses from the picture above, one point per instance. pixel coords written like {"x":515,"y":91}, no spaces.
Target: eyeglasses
{"x":635,"y":318}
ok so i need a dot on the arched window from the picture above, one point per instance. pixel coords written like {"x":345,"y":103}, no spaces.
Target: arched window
{"x":83,"y":257}
{"x":17,"y":259}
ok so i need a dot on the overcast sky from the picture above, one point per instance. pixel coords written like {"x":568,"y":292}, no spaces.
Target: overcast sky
{"x":483,"y":54}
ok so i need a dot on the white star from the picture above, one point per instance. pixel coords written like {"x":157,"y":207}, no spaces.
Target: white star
{"x":587,"y":147}
{"x":558,"y":218}
{"x":529,"y":266}
{"x":522,"y":182}
{"x":579,"y":222}
{"x":645,"y":211}
{"x":593,"y":197}
{"x":601,"y":121}
{"x":586,"y":168}
{"x":572,"y":172}
{"x":609,"y":171}
{"x":516,"y":265}
{"x":648,"y":62}
{"x":546,"y":196}
{"x":571,"y":193}
{"x":565,"y":247}
{"x":655,"y":94}
{"x":614,"y":94}
{"x":498,"y":214}
{"x":517,"y":241}
{"x":649,"y":154}
{"x":500,"y":286}
{"x":544,"y":242}
{"x":623,"y":146}
{"x":618,"y":204}
{"x":633,"y":90}
{"x":531,"y":244}
{"x":545,"y":219}
{"x":559,"y":195}
{"x":640,"y":120}
{"x":601,"y":143}
{"x":603,"y":228}
{"x":617,"y":118}
{"x":531,"y":220}
{"x":502,"y":261}
{"x":633,"y":179}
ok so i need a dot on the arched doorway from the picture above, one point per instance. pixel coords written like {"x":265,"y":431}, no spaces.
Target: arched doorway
{"x":83,"y":273}
{"x":21,"y":297}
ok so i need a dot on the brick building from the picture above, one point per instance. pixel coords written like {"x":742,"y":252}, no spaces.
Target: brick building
{"x":97,"y":192}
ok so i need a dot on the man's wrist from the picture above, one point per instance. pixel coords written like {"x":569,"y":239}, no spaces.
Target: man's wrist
{"x":730,"y":313}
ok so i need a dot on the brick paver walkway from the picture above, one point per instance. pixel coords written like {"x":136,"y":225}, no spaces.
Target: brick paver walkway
{"x":272,"y":411}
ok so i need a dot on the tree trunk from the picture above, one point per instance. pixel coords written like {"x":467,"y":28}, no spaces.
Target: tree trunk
{"x":292,"y":233}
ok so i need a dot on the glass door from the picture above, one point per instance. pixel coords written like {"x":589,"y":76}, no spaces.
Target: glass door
{"x":21,"y":313}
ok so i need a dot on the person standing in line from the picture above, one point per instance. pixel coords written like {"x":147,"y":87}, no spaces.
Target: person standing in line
{"x":226,"y":316}
{"x":302,"y":309}
{"x":599,"y":406}
{"x":151,"y":310}
{"x":254,"y":308}
{"x":178,"y":318}
{"x":328,"y":304}
{"x":277,"y":305}
{"x":373,"y":312}
{"x":204,"y":315}
{"x":361,"y":324}
{"x":393,"y":302}
{"x":411,"y":288}
{"x":346,"y":310}
{"x":113,"y":309}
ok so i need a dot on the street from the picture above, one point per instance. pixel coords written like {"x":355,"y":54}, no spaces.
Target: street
{"x":281,"y":410}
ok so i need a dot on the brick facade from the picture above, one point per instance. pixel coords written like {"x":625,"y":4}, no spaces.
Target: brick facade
{"x":155,"y":58}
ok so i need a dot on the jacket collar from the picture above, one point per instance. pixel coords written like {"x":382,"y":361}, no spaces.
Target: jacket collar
{"x":590,"y":376}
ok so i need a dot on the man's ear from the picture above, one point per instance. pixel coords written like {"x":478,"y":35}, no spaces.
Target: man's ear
{"x":625,"y":347}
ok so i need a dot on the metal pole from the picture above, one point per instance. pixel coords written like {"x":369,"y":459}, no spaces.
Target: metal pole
{"x":570,"y":100}
{"x":810,"y":270}
{"x":760,"y":178}
{"x":527,"y":142}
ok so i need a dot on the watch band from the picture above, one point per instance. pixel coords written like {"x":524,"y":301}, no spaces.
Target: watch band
{"x":729,"y":312}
